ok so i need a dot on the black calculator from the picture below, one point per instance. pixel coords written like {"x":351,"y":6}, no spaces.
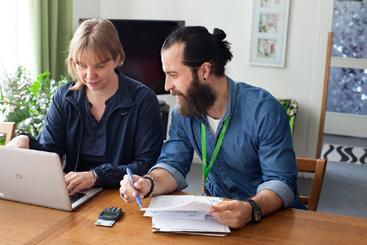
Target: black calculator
{"x":111,"y":213}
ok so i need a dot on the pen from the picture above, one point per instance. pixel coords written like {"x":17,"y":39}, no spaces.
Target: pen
{"x":130,"y":174}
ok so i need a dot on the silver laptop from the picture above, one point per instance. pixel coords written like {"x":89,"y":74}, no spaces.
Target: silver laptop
{"x":36,"y":177}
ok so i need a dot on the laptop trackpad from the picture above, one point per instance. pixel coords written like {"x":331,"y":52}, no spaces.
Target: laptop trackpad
{"x":80,"y":198}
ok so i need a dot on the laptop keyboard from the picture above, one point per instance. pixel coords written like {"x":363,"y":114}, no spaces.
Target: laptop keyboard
{"x":76,"y":197}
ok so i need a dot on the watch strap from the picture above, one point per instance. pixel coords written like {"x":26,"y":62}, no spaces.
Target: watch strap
{"x":256,"y":212}
{"x":148,"y":177}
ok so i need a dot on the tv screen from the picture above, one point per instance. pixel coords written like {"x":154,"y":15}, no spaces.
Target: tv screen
{"x":142,"y":41}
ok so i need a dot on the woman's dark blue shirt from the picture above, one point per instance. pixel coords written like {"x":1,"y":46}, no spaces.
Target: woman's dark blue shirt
{"x":134,"y":131}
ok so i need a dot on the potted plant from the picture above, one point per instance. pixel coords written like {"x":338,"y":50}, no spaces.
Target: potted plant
{"x":26,"y":102}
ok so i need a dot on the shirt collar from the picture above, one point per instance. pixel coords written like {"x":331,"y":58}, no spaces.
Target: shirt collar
{"x":123,"y":100}
{"x":124,"y":92}
{"x":232,"y":94}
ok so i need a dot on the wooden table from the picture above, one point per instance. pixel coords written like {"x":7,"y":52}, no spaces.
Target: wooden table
{"x":27,"y":224}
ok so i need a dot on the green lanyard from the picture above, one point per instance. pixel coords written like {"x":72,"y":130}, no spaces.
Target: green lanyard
{"x":207,"y":168}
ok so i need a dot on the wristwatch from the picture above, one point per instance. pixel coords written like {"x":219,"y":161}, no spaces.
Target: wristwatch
{"x":256,"y":213}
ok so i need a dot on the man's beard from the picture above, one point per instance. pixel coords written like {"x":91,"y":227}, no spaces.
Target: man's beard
{"x":199,"y":98}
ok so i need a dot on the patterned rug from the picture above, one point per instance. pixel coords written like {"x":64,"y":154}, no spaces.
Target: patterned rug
{"x":342,"y":153}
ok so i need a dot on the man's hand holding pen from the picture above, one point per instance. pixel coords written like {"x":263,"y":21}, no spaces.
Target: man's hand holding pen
{"x":127,"y":191}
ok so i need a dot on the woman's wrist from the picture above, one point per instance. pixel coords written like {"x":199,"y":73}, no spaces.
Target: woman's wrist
{"x":95,"y":177}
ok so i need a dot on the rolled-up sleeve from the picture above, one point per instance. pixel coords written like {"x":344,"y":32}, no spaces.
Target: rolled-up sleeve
{"x":280,"y":188}
{"x":180,"y":179}
{"x":276,"y":154}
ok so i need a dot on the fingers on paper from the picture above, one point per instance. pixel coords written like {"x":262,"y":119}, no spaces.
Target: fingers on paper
{"x":232,"y":213}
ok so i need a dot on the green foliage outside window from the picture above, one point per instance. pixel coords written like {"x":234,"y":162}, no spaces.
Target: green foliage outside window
{"x":26,"y":102}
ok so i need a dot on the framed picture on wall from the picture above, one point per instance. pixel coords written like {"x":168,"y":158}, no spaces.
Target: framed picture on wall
{"x":269,"y":32}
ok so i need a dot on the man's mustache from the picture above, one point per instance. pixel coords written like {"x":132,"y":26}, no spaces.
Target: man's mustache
{"x":175,"y":92}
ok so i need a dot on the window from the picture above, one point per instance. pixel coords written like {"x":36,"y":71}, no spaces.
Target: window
{"x":348,"y":73}
{"x":16,"y":42}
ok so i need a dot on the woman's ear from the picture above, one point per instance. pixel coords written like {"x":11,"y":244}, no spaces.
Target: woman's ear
{"x":119,"y":61}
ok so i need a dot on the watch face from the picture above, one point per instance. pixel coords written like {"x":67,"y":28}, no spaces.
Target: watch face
{"x":257,"y":215}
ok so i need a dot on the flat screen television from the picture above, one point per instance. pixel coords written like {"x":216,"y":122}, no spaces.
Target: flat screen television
{"x":142,"y":41}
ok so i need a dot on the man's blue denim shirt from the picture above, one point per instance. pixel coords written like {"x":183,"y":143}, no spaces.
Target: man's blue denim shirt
{"x":256,"y":153}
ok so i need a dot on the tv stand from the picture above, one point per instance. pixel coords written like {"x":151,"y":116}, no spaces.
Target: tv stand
{"x":161,"y":102}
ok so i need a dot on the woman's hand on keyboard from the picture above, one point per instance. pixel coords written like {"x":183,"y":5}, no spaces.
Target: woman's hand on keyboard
{"x":78,"y":181}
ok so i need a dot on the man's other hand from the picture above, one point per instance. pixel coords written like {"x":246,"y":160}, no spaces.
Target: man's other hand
{"x":235,"y":214}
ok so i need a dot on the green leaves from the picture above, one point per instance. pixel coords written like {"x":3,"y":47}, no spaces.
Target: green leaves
{"x":291,"y":107}
{"x":25,"y":101}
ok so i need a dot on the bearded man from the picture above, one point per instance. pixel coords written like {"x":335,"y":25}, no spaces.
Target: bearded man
{"x":240,"y":132}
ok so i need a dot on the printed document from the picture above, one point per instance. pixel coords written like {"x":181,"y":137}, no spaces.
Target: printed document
{"x":184,"y":214}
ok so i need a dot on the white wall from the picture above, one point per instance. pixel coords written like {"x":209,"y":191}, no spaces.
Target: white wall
{"x":301,"y":79}
{"x":85,"y":9}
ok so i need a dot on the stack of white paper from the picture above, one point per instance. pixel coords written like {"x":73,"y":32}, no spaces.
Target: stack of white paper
{"x":184,"y":214}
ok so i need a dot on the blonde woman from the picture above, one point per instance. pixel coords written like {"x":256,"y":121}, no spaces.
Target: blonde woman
{"x":103,"y":121}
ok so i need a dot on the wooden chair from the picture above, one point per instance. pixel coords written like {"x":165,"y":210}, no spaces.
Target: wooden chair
{"x":318,"y":167}
{"x":7,"y":128}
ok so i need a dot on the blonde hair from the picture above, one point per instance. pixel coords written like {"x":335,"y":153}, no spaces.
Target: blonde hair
{"x":97,"y":36}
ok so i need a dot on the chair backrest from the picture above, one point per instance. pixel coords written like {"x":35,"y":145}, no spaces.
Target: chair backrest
{"x":7,"y":128}
{"x":318,"y":167}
